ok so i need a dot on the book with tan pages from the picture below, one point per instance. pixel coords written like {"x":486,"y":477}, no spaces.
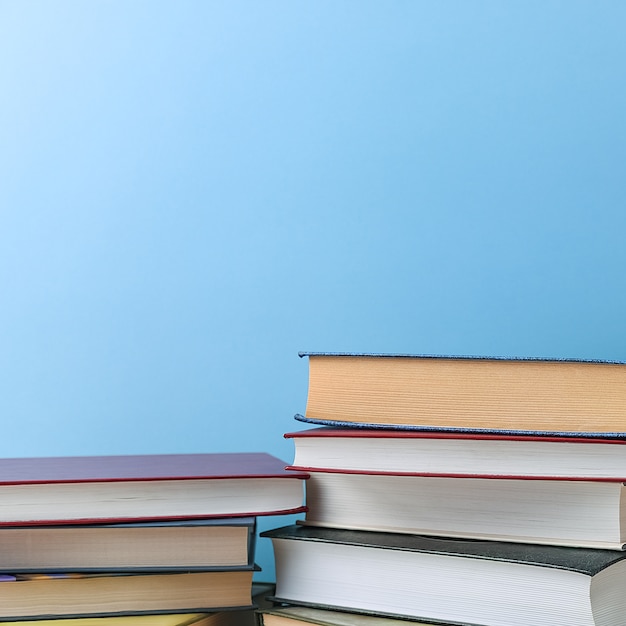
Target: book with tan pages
{"x":215,"y":543}
{"x":532,"y":396}
{"x":81,"y":595}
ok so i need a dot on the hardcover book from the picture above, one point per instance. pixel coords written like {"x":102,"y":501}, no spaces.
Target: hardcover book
{"x":411,"y":452}
{"x":90,"y":489}
{"x":35,"y":596}
{"x":219,"y":618}
{"x":231,"y":617}
{"x":468,"y":394}
{"x":560,"y":512}
{"x":218,"y":543}
{"x":164,"y":619}
{"x":305,"y":616}
{"x":443,"y":580}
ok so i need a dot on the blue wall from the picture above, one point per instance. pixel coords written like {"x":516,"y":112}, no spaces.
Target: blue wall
{"x":193,"y":191}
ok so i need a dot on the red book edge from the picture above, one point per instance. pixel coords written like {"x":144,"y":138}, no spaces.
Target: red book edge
{"x":327,"y":470}
{"x":142,"y":468}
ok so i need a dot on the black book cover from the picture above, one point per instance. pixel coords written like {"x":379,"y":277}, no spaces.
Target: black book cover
{"x":583,"y":560}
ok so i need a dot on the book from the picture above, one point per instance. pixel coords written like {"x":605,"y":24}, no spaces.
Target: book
{"x":90,"y":489}
{"x":218,"y":618}
{"x":306,"y":615}
{"x":184,"y":544}
{"x":234,"y":617}
{"x":433,"y":579}
{"x":561,"y":512}
{"x":411,"y":452}
{"x":243,"y":617}
{"x":556,"y":397}
{"x":34,"y":596}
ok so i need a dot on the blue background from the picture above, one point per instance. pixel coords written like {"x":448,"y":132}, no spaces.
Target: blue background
{"x":193,"y":191}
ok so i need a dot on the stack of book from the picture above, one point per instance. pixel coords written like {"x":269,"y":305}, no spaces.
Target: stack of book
{"x":165,"y":540}
{"x":457,"y":490}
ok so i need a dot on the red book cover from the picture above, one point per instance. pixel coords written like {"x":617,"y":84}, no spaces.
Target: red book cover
{"x":142,"y":467}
